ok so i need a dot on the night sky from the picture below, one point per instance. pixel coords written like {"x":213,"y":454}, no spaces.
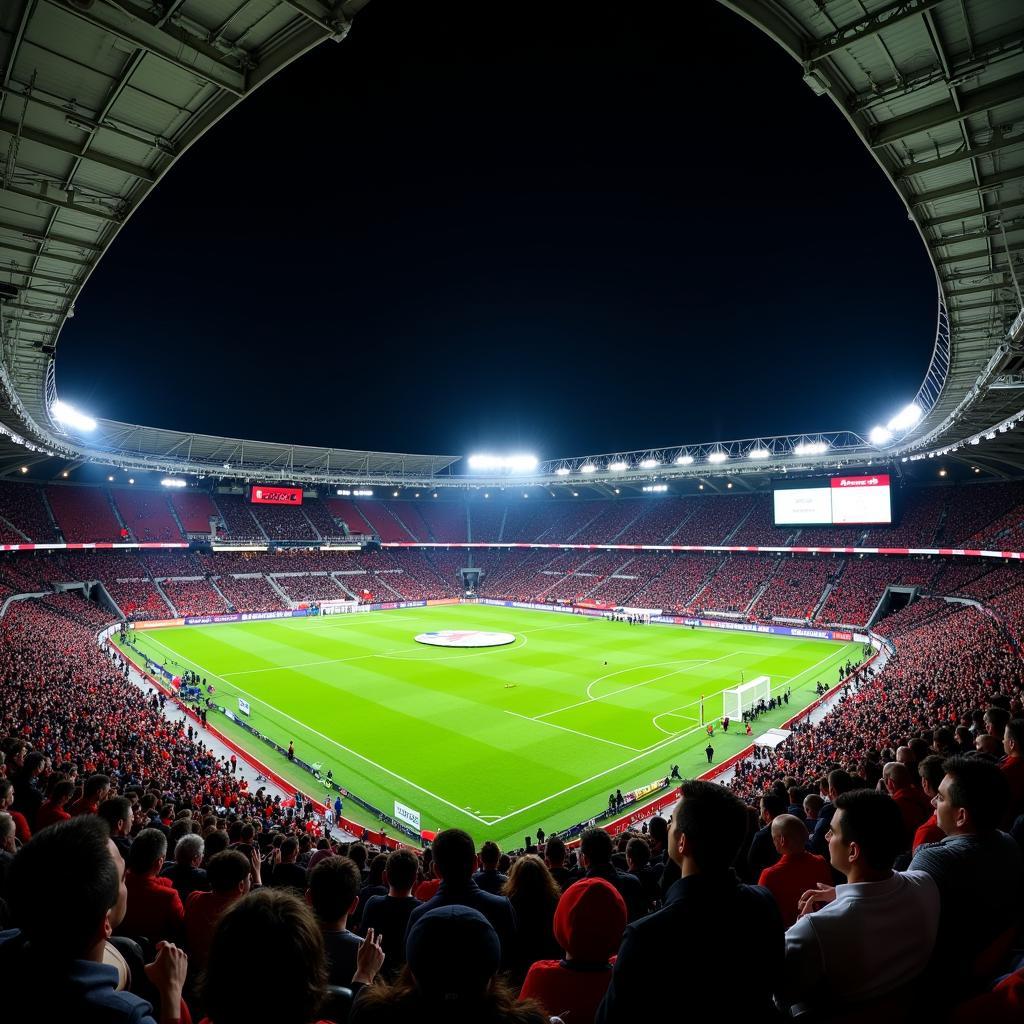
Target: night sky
{"x":574,"y":228}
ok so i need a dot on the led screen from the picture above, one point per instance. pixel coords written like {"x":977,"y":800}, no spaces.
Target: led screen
{"x":840,"y":501}
{"x":265,"y":494}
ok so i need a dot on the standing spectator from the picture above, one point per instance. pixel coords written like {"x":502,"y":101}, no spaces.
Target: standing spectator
{"x":763,"y":852}
{"x":489,"y":878}
{"x":285,"y":872}
{"x":930,"y":771}
{"x":185,"y":873}
{"x":1012,"y":767}
{"x":54,"y":807}
{"x":27,"y":796}
{"x":7,"y":850}
{"x":94,"y":792}
{"x":835,"y":784}
{"x":533,"y":894}
{"x":796,"y":870}
{"x":638,"y":857}
{"x":228,"y":873}
{"x":913,"y":804}
{"x":154,"y":908}
{"x":700,"y":913}
{"x":21,"y":826}
{"x":554,"y":857}
{"x":388,"y":915}
{"x":116,"y":811}
{"x":596,"y":860}
{"x":333,"y":894}
{"x":373,"y":885}
{"x":589,"y":923}
{"x":874,"y":934}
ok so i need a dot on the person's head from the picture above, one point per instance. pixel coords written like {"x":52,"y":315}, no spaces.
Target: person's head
{"x":839,"y":782}
{"x":333,"y":890}
{"x":66,"y":889}
{"x":657,"y":830}
{"x":116,"y":811}
{"x":96,"y":788}
{"x":490,"y":854}
{"x":530,"y":883}
{"x":400,"y":873}
{"x":216,"y":842}
{"x":6,"y":832}
{"x":61,"y":792}
{"x":897,"y":776}
{"x":289,"y":850}
{"x":771,"y":806}
{"x":147,"y":853}
{"x":454,"y":855}
{"x":971,"y":798}
{"x":589,"y":921}
{"x":6,"y":793}
{"x":709,"y":824}
{"x":595,"y":848}
{"x":638,"y":854}
{"x":989,"y":745}
{"x":228,"y":872}
{"x":789,"y":834}
{"x":453,"y":954}
{"x":995,"y":721}
{"x":33,"y":764}
{"x":904,"y":755}
{"x":357,"y":854}
{"x":812,"y":805}
{"x":188,"y":851}
{"x":930,"y":772}
{"x":866,"y":835}
{"x":1013,"y":738}
{"x":272,"y":926}
{"x":554,"y":852}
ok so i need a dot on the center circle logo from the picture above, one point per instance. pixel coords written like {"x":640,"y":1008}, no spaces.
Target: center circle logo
{"x":465,"y":638}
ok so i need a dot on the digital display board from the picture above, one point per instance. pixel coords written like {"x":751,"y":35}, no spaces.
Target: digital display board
{"x":268,"y":494}
{"x":839,"y":501}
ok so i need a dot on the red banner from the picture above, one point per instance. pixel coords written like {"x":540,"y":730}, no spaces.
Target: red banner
{"x":878,"y":480}
{"x":263,"y":494}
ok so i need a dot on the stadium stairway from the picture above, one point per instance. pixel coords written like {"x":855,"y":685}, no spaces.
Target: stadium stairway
{"x":177,"y":518}
{"x":117,"y":514}
{"x":163,"y":593}
{"x":504,"y":520}
{"x":584,"y":527}
{"x":739,"y":525}
{"x":279,"y":590}
{"x":8,"y":525}
{"x":49,"y":511}
{"x":759,"y":593}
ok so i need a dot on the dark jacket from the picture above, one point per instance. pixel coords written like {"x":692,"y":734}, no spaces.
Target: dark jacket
{"x":628,"y":885}
{"x":497,"y":909}
{"x":694,"y":933}
{"x":762,"y":853}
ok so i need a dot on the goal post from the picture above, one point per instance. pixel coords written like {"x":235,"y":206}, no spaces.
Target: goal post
{"x":743,"y":698}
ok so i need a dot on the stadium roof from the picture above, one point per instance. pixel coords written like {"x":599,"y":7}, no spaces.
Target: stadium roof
{"x":99,"y":98}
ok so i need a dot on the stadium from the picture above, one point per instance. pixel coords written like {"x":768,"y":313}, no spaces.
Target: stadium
{"x":422,"y":734}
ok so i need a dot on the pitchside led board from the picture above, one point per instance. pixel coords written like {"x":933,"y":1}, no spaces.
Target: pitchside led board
{"x":267,"y":494}
{"x":839,"y":501}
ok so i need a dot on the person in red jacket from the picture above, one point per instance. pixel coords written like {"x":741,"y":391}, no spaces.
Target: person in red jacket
{"x":1012,"y":767}
{"x":796,"y":870}
{"x":915,"y":808}
{"x":21,"y":830}
{"x":154,"y":906}
{"x":54,"y":808}
{"x":228,"y":874}
{"x":589,"y":922}
{"x":931,"y":773}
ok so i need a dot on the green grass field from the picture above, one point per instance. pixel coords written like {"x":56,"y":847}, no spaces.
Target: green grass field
{"x":496,"y":741}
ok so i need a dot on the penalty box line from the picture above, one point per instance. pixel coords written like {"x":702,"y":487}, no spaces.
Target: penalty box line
{"x":333,"y":742}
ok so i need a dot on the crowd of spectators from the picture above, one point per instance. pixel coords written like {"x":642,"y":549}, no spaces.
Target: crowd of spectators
{"x":138,"y":599}
{"x":194,"y":597}
{"x":84,"y":514}
{"x":735,"y":583}
{"x":147,"y":514}
{"x":284,"y":522}
{"x":311,"y":588}
{"x":250,"y":593}
{"x":23,"y":507}
{"x":236,"y":516}
{"x":795,"y":588}
{"x":862,"y":583}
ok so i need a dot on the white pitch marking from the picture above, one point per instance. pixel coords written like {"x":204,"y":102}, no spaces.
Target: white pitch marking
{"x":575,"y":732}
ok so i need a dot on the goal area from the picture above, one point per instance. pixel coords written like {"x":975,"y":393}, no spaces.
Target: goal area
{"x":743,"y":698}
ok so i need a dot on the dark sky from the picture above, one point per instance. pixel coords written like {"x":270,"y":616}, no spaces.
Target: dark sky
{"x":573,"y":228}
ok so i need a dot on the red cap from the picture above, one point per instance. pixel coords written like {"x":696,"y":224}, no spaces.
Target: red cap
{"x":590,"y":920}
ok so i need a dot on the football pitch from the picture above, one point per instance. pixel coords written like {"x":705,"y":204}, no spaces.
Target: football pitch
{"x":495,"y":740}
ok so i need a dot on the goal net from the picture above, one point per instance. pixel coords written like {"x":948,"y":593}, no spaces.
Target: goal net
{"x":743,"y":698}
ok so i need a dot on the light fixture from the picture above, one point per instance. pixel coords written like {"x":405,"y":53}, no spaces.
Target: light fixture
{"x":811,"y":448}
{"x":906,"y":418}
{"x":503,"y":463}
{"x":649,"y":463}
{"x":729,"y":485}
{"x":486,"y":495}
{"x":65,"y":474}
{"x":172,"y":481}
{"x":684,"y":460}
{"x":588,"y":467}
{"x":717,"y":456}
{"x":575,"y":494}
{"x":110,"y":478}
{"x":880,"y":435}
{"x":616,"y":490}
{"x":758,"y":453}
{"x":69,"y":416}
{"x":131,"y":479}
{"x":942,"y":472}
{"x":562,"y":471}
{"x":700,"y":487}
{"x":24,"y":469}
{"x":618,"y":466}
{"x":394,"y":494}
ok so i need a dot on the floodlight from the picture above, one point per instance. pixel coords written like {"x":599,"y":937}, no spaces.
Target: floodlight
{"x":718,"y":456}
{"x":905,"y":418}
{"x":588,"y":467}
{"x":811,"y":448}
{"x":71,"y":417}
{"x":759,"y":453}
{"x":503,"y":463}
{"x":172,"y":481}
{"x":649,"y":463}
{"x":879,"y":435}
{"x":562,"y":471}
{"x":618,"y":465}
{"x":684,"y":460}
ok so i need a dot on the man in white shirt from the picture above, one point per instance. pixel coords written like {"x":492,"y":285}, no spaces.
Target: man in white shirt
{"x":874,"y":934}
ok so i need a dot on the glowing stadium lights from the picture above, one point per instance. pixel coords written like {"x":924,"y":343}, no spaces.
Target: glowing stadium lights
{"x":24,"y":469}
{"x":172,"y":481}
{"x":588,"y":467}
{"x":503,"y":463}
{"x":649,"y":463}
{"x":562,"y":471}
{"x":618,"y":465}
{"x":811,"y":448}
{"x":656,"y":488}
{"x":684,"y":460}
{"x":906,"y":418}
{"x":880,"y":435}
{"x":69,"y":416}
{"x":717,"y":457}
{"x":759,"y":453}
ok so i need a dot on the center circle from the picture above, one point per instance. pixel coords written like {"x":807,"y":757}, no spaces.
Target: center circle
{"x":465,"y":638}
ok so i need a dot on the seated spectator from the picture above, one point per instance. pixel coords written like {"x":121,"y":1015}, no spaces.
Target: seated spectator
{"x":116,"y":811}
{"x":67,"y":896}
{"x":272,"y":926}
{"x":873,"y":935}
{"x":554,"y":857}
{"x":698,"y":920}
{"x":453,"y":863}
{"x":976,"y":867}
{"x":533,"y":894}
{"x":763,"y":852}
{"x":913,"y":804}
{"x":589,"y":923}
{"x":333,"y":894}
{"x":796,"y":870}
{"x":285,"y":871}
{"x":931,"y":774}
{"x":1012,"y":767}
{"x":489,"y":878}
{"x":388,"y":915}
{"x":228,"y":874}
{"x":454,"y":956}
{"x":596,"y":861}
{"x":54,"y":808}
{"x":185,"y":873}
{"x":154,"y":908}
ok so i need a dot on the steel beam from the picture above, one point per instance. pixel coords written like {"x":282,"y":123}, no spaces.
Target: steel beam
{"x":992,"y":182}
{"x":867,"y":27}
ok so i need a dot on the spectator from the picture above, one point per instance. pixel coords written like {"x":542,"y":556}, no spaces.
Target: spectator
{"x":913,"y":804}
{"x":873,"y":935}
{"x":837,"y":783}
{"x":27,"y":797}
{"x":274,"y":927}
{"x":589,"y":923}
{"x":333,"y":894}
{"x":812,"y":808}
{"x":596,"y":861}
{"x":763,"y":853}
{"x":700,"y":913}
{"x":554,"y":857}
{"x":228,"y":874}
{"x":969,"y":806}
{"x":154,"y":908}
{"x":94,"y":792}
{"x":1012,"y":767}
{"x":388,"y":915}
{"x":116,"y":811}
{"x":21,"y":827}
{"x":796,"y":870}
{"x":931,"y":774}
{"x":185,"y":873}
{"x":372,"y":886}
{"x":489,"y":878}
{"x":638,"y":857}
{"x":7,"y":850}
{"x":533,"y":894}
{"x":453,"y":863}
{"x":67,"y":895}
{"x":285,"y":872}
{"x":54,"y":808}
{"x":454,"y":955}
